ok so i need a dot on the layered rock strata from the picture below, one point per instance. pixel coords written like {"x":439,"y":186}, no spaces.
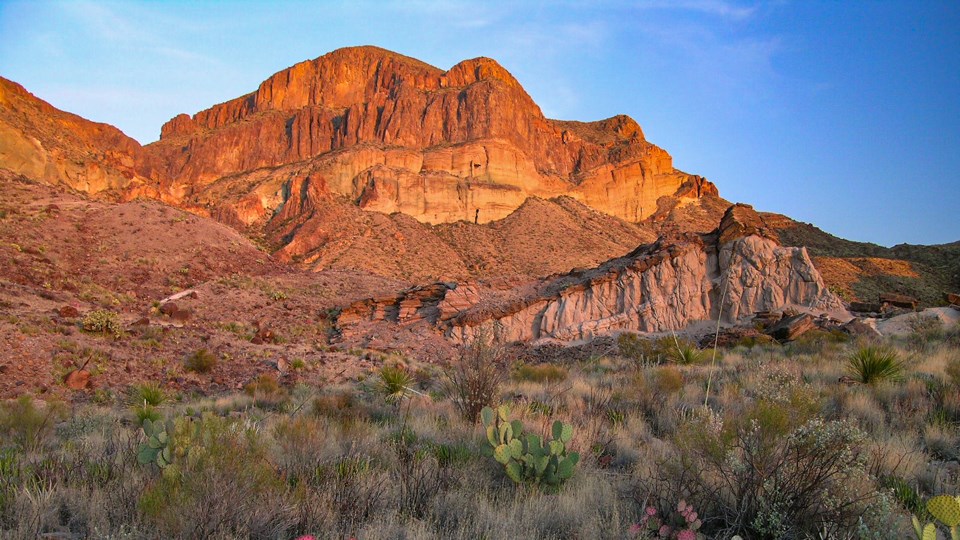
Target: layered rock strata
{"x":728,"y":274}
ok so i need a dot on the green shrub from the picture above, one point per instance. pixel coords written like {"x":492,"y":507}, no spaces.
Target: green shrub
{"x":26,"y":424}
{"x":873,"y":364}
{"x":104,"y":322}
{"x":668,"y":379}
{"x":146,"y":412}
{"x":202,"y":361}
{"x":539,"y":373}
{"x":763,"y":477}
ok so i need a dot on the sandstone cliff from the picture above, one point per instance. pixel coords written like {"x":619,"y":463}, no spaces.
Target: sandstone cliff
{"x":729,"y":274}
{"x":393,"y":134}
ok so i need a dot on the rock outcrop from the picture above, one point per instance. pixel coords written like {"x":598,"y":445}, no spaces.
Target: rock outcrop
{"x":393,"y":134}
{"x":52,"y":146}
{"x":729,"y":274}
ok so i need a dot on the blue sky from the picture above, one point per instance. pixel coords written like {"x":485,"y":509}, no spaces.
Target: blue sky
{"x":843,"y":114}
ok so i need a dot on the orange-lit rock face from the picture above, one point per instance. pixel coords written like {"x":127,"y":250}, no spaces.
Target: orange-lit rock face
{"x":49,"y":145}
{"x":396,"y":135}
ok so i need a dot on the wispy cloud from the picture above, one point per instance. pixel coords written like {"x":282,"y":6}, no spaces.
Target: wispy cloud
{"x":718,"y":8}
{"x":133,"y":27}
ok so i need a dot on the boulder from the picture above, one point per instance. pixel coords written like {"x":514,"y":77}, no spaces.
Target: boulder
{"x":865,"y":307}
{"x":182,"y":314}
{"x":861,"y":328}
{"x":898,"y":300}
{"x":69,"y":312}
{"x":169,"y":308}
{"x":952,"y":299}
{"x":791,"y":328}
{"x":78,"y":379}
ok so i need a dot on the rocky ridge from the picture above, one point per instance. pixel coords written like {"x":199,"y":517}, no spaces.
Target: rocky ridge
{"x":730,"y":274}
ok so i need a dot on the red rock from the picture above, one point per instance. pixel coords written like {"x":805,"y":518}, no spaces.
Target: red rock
{"x":182,"y":314}
{"x":78,"y":379}
{"x":169,"y":309}
{"x":952,"y":298}
{"x":386,"y":115}
{"x":69,"y":312}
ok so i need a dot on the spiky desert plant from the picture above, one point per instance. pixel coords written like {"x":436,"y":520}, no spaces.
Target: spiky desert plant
{"x":686,"y":353}
{"x":394,"y":383}
{"x":872,"y":364}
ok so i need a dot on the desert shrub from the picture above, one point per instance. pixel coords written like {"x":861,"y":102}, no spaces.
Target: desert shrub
{"x":223,"y":487}
{"x":474,"y":381}
{"x":201,"y":361}
{"x":266,"y":391}
{"x":635,"y":348}
{"x":872,"y":364}
{"x":104,"y":322}
{"x":668,"y":379}
{"x":539,"y":373}
{"x":342,"y":406}
{"x":817,"y":342}
{"x":644,"y":351}
{"x":26,"y":425}
{"x":953,"y":370}
{"x":767,"y":477}
{"x":924,"y":331}
{"x":145,"y":411}
{"x":354,"y":489}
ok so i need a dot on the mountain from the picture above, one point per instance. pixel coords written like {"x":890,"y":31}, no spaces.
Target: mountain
{"x":391,"y":133}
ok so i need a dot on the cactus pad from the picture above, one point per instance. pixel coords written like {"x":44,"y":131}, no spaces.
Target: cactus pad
{"x":946,"y":509}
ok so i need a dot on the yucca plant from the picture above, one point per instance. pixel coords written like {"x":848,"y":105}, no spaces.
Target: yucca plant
{"x":872,"y":364}
{"x":395,"y":383}
{"x":686,"y":353}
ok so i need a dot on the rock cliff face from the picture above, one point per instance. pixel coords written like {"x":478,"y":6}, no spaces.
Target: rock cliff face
{"x":393,"y":134}
{"x":728,"y":274}
{"x":56,"y":147}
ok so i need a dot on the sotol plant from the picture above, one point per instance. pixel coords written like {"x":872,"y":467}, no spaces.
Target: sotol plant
{"x":526,"y":457}
{"x":872,"y":364}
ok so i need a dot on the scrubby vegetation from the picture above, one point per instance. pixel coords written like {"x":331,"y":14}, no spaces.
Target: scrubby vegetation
{"x":627,"y":445}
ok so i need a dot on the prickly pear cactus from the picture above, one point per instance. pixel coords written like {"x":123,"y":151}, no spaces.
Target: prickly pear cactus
{"x":158,"y":448}
{"x":926,"y":532}
{"x":946,"y":509}
{"x":526,"y":457}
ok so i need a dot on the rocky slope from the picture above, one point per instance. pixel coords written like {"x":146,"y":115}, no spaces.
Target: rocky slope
{"x":730,"y":273}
